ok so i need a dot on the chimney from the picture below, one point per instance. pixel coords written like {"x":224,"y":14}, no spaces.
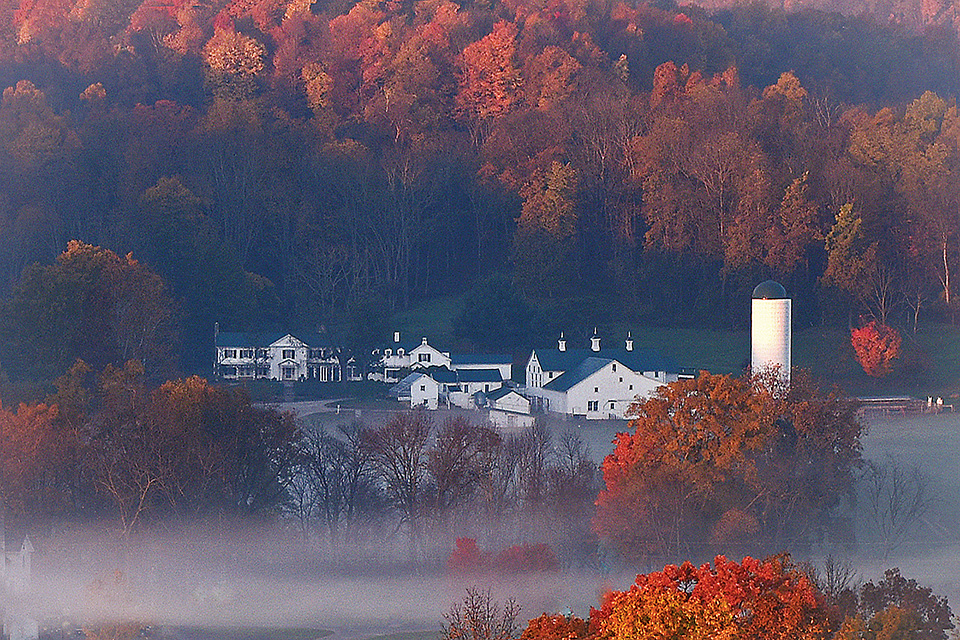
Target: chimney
{"x":561,"y":343}
{"x":595,"y":341}
{"x":629,"y":342}
{"x":396,"y":336}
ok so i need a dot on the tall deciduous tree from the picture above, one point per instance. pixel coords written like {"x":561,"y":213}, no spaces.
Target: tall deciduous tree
{"x":490,"y":81}
{"x":93,"y":305}
{"x":719,"y":459}
{"x":545,"y":241}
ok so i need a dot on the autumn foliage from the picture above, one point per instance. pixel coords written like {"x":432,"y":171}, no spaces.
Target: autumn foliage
{"x":762,"y":600}
{"x":876,"y":346}
{"x":719,"y":460}
{"x":467,"y":558}
{"x":557,"y":627}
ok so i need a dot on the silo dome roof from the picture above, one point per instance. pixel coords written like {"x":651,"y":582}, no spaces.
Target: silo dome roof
{"x":769,"y":290}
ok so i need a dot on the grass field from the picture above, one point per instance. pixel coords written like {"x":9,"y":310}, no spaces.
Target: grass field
{"x":930,"y":365}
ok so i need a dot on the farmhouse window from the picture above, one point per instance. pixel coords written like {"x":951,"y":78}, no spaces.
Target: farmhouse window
{"x":246,"y":353}
{"x":229,"y":353}
{"x":289,"y":353}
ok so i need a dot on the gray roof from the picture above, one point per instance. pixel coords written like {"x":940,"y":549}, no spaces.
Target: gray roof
{"x":496,"y":394}
{"x":769,"y":290}
{"x":444,"y":375}
{"x":638,"y":360}
{"x":402,"y":388}
{"x":479,"y":375}
{"x":570,"y":378}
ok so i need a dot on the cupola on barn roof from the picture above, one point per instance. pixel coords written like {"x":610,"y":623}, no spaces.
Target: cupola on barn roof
{"x":769,"y":290}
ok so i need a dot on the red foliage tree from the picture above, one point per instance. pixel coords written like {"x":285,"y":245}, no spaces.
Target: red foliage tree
{"x":466,"y":557}
{"x":877,"y":346}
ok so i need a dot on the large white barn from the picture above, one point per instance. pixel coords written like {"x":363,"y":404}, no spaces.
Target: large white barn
{"x":592,"y":383}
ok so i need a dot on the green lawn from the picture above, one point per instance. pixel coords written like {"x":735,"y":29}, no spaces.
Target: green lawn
{"x":930,"y":364}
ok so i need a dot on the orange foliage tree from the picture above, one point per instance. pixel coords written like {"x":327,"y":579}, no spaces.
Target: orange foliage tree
{"x":755,"y":599}
{"x":722,"y":460}
{"x":557,"y":627}
{"x":28,"y":455}
{"x":877,"y":346}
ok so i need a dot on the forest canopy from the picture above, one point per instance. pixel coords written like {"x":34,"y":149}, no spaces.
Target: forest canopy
{"x":291,"y":164}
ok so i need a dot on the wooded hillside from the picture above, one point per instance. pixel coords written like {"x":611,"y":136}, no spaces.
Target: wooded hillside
{"x":288,"y":164}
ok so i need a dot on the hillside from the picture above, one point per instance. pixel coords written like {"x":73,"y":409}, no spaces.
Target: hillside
{"x":281,"y":164}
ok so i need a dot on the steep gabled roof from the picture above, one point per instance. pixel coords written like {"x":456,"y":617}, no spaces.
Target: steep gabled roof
{"x":496,"y":394}
{"x":638,"y":360}
{"x":586,"y":368}
{"x":402,"y":388}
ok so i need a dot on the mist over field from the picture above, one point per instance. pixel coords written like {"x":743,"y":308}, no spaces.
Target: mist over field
{"x":263,"y":577}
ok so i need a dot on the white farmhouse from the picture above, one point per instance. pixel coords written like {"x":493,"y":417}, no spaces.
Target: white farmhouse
{"x":592,"y":383}
{"x":279,"y":356}
{"x":408,"y":356}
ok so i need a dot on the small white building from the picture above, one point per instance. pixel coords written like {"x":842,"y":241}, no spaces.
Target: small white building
{"x":418,"y":389}
{"x":592,"y":383}
{"x":509,"y":410}
{"x":16,"y":571}
{"x":444,"y":386}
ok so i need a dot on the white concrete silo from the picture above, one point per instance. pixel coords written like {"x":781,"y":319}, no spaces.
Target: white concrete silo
{"x":770,"y":333}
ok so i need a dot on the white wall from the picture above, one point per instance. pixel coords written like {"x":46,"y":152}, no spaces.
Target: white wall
{"x":424,"y":392}
{"x":614,"y":382}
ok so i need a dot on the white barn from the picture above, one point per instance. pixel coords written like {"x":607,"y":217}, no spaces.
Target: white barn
{"x":592,"y":383}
